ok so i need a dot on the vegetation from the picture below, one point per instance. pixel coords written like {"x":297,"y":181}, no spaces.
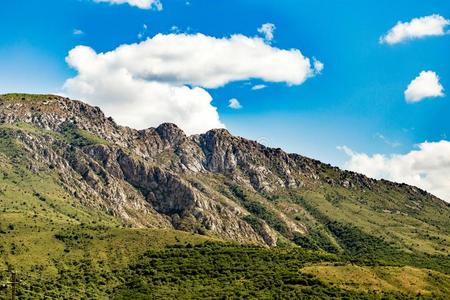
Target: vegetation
{"x":14,"y":97}
{"x":333,"y":242}
{"x":60,"y":249}
{"x":260,"y":211}
{"x":187,"y":268}
{"x":413,"y":281}
{"x":363,"y":248}
{"x":80,"y":138}
{"x":216,"y":270}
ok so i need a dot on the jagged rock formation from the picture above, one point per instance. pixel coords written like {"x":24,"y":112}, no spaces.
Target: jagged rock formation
{"x":213,"y":183}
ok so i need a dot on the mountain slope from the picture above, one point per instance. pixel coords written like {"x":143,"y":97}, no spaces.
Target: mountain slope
{"x":215,"y":183}
{"x":68,"y":171}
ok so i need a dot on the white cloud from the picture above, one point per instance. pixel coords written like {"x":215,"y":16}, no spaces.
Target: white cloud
{"x":267,"y":30}
{"x":78,"y":32}
{"x":425,"y":85}
{"x":428,"y":167}
{"x":234,"y":103}
{"x":210,"y":62}
{"x":136,"y":102}
{"x":258,"y":87}
{"x":143,"y":4}
{"x":162,"y":79}
{"x":433,"y":25}
{"x":318,"y":66}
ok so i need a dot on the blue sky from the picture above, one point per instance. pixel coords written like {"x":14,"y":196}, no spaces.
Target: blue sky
{"x":357,"y":100}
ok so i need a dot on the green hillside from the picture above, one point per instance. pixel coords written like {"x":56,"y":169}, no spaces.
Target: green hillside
{"x":91,"y":210}
{"x":60,"y":249}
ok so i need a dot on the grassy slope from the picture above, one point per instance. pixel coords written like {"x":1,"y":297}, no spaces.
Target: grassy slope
{"x":413,"y":281}
{"x":410,"y":231}
{"x":62,"y":249}
{"x":328,"y":210}
{"x":382,"y":213}
{"x":214,"y":271}
{"x":18,"y":97}
{"x":49,"y":238}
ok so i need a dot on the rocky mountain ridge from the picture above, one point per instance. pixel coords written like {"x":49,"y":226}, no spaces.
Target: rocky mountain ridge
{"x":213,"y":183}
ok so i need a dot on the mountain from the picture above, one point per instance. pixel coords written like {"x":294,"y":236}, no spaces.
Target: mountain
{"x":74,"y":183}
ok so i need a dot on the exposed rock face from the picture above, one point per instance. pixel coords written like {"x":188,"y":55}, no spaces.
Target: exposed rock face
{"x":159,"y":177}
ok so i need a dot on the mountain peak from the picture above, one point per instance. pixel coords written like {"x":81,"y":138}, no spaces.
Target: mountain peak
{"x":218,"y":132}
{"x":170,"y":133}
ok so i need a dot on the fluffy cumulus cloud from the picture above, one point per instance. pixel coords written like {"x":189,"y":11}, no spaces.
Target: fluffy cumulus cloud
{"x":163,"y":79}
{"x":427,"y":167}
{"x":143,"y":4}
{"x":234,"y":103}
{"x":433,"y":25}
{"x":267,"y":31}
{"x":425,"y":85}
